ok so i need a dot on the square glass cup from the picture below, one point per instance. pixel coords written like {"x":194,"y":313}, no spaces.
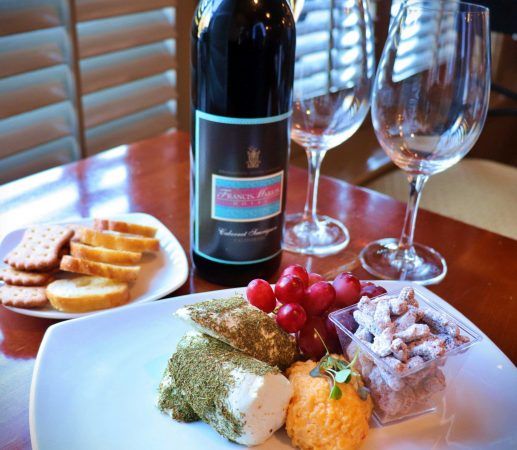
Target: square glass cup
{"x":416,"y":391}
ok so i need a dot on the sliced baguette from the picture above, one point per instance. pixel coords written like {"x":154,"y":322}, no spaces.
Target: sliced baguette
{"x":87,"y":293}
{"x":124,"y":227}
{"x":119,"y":241}
{"x":84,"y":266}
{"x":104,"y":255}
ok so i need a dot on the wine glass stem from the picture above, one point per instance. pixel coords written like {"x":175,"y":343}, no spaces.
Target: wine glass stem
{"x":314,"y":157}
{"x":416,"y":185}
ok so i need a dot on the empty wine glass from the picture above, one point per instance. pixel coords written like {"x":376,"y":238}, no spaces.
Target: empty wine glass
{"x":429,"y":105}
{"x":333,"y":76}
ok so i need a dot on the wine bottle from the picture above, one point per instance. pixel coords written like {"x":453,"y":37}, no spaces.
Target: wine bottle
{"x":243,"y":54}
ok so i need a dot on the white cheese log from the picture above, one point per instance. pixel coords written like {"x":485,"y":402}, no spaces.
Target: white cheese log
{"x":262,"y":401}
{"x":243,"y":399}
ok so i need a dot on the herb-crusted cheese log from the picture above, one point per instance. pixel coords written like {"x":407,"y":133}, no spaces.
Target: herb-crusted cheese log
{"x":243,"y":399}
{"x":244,"y":327}
{"x":171,"y":401}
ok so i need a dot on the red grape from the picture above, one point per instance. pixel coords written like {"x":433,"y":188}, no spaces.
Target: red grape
{"x":291,"y":317}
{"x":297,"y":271}
{"x":289,"y":289}
{"x":333,"y":338}
{"x":308,"y":340}
{"x":371,"y":290}
{"x":330,"y":327}
{"x":261,"y":295}
{"x":347,"y":320}
{"x":314,"y":278}
{"x":333,"y":344}
{"x":348,"y":289}
{"x":318,"y":298}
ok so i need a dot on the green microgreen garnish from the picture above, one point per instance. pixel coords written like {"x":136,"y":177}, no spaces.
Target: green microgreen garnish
{"x":363,"y":392}
{"x":335,"y":392}
{"x":343,"y":376}
{"x":337,"y":371}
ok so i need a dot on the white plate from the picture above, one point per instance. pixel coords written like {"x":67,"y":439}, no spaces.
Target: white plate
{"x":162,"y":272}
{"x":95,"y":386}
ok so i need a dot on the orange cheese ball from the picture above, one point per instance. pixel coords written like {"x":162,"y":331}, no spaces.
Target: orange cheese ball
{"x":315,"y":422}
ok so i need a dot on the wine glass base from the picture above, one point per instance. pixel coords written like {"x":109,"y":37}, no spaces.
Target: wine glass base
{"x":382,"y":259}
{"x":326,"y":237}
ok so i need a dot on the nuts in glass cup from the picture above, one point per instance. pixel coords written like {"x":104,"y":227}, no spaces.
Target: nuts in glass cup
{"x":409,"y":350}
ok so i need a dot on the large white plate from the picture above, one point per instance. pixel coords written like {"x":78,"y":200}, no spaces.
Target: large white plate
{"x":95,"y":385}
{"x":162,"y":272}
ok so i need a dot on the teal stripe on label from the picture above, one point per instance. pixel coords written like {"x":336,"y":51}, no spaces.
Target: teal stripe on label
{"x":230,"y":213}
{"x":237,"y":263}
{"x":241,"y":121}
{"x":196,"y":193}
{"x":247,"y":183}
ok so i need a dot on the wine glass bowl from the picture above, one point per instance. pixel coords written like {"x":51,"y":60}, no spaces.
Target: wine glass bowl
{"x":429,"y":105}
{"x":333,"y":74}
{"x":328,"y":120}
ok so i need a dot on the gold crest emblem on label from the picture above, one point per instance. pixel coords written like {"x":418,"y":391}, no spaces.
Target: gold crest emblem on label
{"x":253,"y":158}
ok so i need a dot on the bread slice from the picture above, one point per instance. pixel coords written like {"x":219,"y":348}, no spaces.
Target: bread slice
{"x":119,"y":241}
{"x":87,"y":293}
{"x":104,"y":255}
{"x":124,"y":227}
{"x":115,"y":272}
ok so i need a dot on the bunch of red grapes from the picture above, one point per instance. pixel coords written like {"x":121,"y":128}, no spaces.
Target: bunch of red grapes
{"x":306,"y":301}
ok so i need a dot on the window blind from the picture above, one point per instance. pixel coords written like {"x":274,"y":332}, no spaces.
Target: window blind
{"x":320,"y":21}
{"x":127,"y":51}
{"x":81,"y":76}
{"x":434,"y":32}
{"x":38,"y":107}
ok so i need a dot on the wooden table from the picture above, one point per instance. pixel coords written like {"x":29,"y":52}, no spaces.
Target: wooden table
{"x":153,"y":177}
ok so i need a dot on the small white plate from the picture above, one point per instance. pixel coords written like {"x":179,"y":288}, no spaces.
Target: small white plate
{"x":162,"y":272}
{"x":95,"y":386}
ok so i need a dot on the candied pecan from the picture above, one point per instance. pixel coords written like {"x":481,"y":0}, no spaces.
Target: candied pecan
{"x":414,"y":361}
{"x":399,"y":349}
{"x":390,"y":401}
{"x":428,"y":348}
{"x":433,"y":383}
{"x":366,"y":305}
{"x":440,"y":323}
{"x":460,"y":340}
{"x":413,"y":332}
{"x":367,"y":322}
{"x":407,"y":319}
{"x":398,"y":306}
{"x":408,"y":294}
{"x":363,"y":334}
{"x":394,"y":382}
{"x":382,"y":342}
{"x":450,"y":343}
{"x":382,"y":316}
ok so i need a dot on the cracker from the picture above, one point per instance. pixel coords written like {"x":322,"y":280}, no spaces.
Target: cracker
{"x":23,"y":297}
{"x":19,"y":278}
{"x":40,"y":248}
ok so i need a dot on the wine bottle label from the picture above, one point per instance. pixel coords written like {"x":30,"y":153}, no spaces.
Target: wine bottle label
{"x":240,"y":184}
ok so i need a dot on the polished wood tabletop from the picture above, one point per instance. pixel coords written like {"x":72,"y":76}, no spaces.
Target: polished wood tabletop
{"x":153,"y":177}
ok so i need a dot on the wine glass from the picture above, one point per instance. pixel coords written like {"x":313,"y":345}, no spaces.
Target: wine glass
{"x":429,"y":105}
{"x":333,"y":75}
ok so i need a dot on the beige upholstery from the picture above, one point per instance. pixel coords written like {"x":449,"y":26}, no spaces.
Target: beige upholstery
{"x":479,"y":192}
